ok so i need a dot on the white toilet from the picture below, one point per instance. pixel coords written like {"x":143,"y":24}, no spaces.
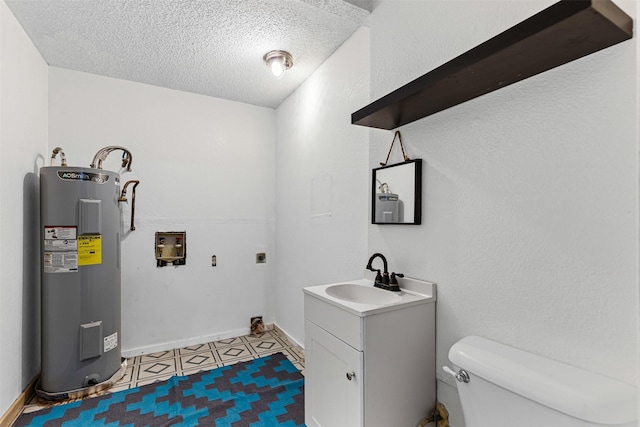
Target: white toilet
{"x":507,"y":387}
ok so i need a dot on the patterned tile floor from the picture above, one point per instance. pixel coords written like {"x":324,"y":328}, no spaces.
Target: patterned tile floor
{"x":160,"y":366}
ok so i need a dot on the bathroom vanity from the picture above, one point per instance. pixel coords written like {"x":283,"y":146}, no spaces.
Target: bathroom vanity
{"x":369,"y":354}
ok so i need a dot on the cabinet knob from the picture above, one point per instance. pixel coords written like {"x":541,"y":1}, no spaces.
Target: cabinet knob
{"x":351,"y":375}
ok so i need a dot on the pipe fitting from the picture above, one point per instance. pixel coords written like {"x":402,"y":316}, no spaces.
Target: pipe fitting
{"x":63,"y":159}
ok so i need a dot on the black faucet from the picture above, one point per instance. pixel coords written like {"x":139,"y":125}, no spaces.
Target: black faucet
{"x":382,"y":281}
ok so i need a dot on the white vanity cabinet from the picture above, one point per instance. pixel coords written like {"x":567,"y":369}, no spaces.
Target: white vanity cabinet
{"x":332,"y":397}
{"x":368,"y":366}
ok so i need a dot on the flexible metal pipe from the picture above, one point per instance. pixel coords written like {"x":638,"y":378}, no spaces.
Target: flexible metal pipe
{"x":123,"y":198}
{"x":102,"y":154}
{"x":63,"y":159}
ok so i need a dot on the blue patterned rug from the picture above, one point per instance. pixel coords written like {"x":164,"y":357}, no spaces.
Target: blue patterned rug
{"x":261,"y":393}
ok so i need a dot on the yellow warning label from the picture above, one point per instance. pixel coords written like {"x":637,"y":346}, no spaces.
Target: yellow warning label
{"x":89,"y":250}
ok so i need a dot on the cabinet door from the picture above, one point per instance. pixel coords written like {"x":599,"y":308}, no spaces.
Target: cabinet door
{"x":331,"y":398}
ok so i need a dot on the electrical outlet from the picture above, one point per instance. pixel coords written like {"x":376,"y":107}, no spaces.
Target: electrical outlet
{"x":261,"y":258}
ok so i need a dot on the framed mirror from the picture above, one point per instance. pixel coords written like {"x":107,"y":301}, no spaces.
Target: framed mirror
{"x":397,"y":193}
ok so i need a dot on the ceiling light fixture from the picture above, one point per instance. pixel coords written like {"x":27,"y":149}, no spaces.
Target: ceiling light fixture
{"x":279,"y":61}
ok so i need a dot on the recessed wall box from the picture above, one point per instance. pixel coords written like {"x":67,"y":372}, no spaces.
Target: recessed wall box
{"x":171,"y":248}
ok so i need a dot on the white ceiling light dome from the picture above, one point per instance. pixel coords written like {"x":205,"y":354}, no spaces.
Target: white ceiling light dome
{"x":279,"y":61}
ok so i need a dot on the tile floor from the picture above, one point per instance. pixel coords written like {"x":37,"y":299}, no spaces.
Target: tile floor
{"x":160,"y":366}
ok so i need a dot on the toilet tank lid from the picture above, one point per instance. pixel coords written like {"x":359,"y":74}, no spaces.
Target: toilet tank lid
{"x":573,"y":391}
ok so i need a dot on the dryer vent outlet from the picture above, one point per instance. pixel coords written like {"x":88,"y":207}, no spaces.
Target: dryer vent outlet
{"x":257,"y":325}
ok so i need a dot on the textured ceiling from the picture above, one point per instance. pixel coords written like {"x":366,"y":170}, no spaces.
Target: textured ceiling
{"x":210,"y":47}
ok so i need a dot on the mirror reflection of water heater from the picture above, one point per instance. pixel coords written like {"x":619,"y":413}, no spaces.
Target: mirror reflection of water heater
{"x":389,"y":208}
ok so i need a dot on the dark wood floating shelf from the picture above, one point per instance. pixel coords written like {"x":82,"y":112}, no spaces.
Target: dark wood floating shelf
{"x":565,"y":31}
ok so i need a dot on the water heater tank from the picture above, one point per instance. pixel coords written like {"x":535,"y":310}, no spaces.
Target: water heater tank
{"x":81,"y":305}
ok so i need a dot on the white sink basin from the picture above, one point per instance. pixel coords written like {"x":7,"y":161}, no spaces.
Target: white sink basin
{"x":361,"y":298}
{"x":362,"y":294}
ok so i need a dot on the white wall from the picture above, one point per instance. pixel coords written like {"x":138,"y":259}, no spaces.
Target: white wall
{"x":530,"y":193}
{"x":322,"y":184}
{"x":23,"y":143}
{"x":206,"y":166}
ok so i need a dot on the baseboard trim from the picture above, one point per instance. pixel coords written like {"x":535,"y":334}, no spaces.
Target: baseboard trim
{"x":14,"y":410}
{"x":139,"y":351}
{"x":301,"y":345}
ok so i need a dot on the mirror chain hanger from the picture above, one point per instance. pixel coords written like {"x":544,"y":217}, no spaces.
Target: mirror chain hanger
{"x":396,"y":135}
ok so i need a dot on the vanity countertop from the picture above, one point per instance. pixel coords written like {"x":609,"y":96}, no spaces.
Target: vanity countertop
{"x":413,"y":292}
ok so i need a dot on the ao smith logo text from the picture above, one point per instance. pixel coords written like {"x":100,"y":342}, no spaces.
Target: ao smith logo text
{"x":99,"y":178}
